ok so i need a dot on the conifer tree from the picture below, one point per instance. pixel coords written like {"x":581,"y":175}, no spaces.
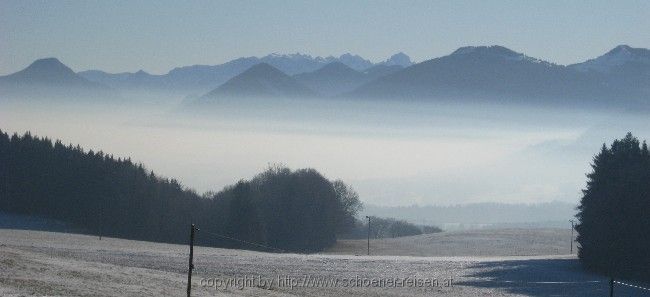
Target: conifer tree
{"x":614,"y":211}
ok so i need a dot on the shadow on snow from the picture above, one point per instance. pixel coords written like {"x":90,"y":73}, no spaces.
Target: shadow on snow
{"x":544,"y":277}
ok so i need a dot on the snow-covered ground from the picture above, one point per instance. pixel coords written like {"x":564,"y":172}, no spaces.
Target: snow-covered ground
{"x":489,"y":242}
{"x":59,"y":264}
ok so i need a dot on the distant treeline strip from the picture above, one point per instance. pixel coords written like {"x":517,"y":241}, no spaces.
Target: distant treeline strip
{"x":290,"y":210}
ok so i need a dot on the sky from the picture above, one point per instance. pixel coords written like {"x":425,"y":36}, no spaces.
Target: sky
{"x":156,"y":36}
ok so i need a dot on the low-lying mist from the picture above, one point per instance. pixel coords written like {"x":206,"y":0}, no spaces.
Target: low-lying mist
{"x":392,"y":153}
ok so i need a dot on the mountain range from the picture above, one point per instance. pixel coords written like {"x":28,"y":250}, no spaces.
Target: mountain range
{"x":475,"y":73}
{"x":264,"y":80}
{"x":487,"y":72}
{"x":198,"y":79}
{"x":496,"y":74}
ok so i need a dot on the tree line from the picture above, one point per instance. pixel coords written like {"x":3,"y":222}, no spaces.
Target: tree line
{"x":299,"y":210}
{"x":387,"y":228}
{"x":614,"y":212}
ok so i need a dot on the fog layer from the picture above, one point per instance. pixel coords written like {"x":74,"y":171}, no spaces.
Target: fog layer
{"x":393,"y":153}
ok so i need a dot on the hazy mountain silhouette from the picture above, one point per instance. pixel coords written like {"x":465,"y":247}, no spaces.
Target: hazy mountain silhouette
{"x":333,"y":79}
{"x":185,"y":80}
{"x":47,"y":71}
{"x":619,"y":57}
{"x":261,"y":80}
{"x":491,"y":73}
{"x":399,"y":59}
{"x":49,"y":77}
{"x":109,"y":79}
{"x":337,"y":78}
{"x":380,"y":70}
{"x":624,"y":68}
{"x":203,"y":78}
{"x":355,"y":62}
{"x":125,"y":80}
{"x":477,"y":73}
{"x":291,"y":64}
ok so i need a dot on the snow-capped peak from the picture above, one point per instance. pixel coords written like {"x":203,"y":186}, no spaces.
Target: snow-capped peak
{"x":295,"y":56}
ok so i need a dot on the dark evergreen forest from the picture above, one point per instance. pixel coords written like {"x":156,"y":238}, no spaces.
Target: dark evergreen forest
{"x":279,"y":209}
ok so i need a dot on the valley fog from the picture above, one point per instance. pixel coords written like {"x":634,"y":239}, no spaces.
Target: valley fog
{"x":392,"y":153}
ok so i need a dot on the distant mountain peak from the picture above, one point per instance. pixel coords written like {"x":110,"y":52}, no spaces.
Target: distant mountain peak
{"x":333,"y":70}
{"x":496,"y":51}
{"x":46,"y":70}
{"x":617,"y":56}
{"x":400,"y":59}
{"x":623,"y":48}
{"x":262,"y":69}
{"x":335,"y":66}
{"x":47,"y":62}
{"x":492,"y":50}
{"x":50,"y":76}
{"x":630,"y":53}
{"x":261,"y":80}
{"x":349,"y":56}
{"x":332,"y":79}
{"x":49,"y":66}
{"x":355,"y":62}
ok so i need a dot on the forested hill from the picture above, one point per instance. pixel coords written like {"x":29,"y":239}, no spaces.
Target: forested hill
{"x":289,"y":210}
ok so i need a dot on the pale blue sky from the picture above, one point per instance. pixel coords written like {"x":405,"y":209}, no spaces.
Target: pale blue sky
{"x":159,"y":35}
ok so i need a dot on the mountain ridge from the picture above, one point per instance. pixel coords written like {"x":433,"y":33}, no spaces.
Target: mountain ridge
{"x":261,"y":80}
{"x":49,"y":77}
{"x":616,"y":57}
{"x":46,"y":71}
{"x":203,"y":78}
{"x":621,"y":77}
{"x":332,"y":79}
{"x":497,"y":74}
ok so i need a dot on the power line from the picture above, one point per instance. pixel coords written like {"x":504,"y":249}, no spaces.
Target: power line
{"x":244,"y":241}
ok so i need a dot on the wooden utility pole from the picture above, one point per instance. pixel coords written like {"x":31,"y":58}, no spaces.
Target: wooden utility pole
{"x":572,"y":235}
{"x":611,"y":287}
{"x":101,"y":222}
{"x":189,"y":272}
{"x":368,"y":217}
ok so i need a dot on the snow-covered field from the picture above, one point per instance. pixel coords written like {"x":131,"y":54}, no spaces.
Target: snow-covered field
{"x":494,"y":242}
{"x":58,"y":264}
